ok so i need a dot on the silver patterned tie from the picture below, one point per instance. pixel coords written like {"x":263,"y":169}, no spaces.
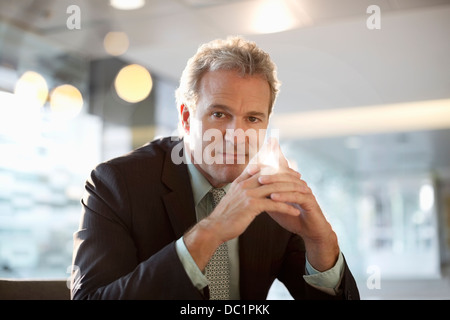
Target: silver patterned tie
{"x":218,"y":268}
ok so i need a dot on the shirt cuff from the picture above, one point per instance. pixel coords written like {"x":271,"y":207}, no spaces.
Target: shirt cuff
{"x":194,"y":273}
{"x":327,"y":281}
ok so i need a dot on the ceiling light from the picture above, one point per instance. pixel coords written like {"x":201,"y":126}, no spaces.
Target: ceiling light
{"x":273,"y":16}
{"x":127,"y":4}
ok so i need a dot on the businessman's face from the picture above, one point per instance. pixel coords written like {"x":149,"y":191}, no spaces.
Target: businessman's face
{"x":228,"y":125}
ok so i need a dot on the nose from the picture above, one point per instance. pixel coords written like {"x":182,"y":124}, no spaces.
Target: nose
{"x":235,"y":132}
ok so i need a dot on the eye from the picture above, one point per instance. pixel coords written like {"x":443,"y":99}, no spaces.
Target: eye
{"x":253,"y":119}
{"x":218,"y":115}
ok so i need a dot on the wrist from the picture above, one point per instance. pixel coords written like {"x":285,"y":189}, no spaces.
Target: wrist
{"x":322,"y":253}
{"x":202,"y":241}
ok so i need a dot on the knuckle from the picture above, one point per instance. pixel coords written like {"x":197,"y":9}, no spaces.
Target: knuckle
{"x":244,"y":185}
{"x":311,"y":197}
{"x":247,"y":194}
{"x":241,"y":184}
{"x":250,"y":201}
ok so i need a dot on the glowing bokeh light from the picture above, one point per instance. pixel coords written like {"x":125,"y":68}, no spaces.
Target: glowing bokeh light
{"x":33,"y":88}
{"x":426,"y":197}
{"x":116,"y":43}
{"x":66,"y":100}
{"x":133,"y":83}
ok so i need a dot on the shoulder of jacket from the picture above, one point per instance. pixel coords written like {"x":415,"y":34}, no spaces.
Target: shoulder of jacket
{"x":153,"y":150}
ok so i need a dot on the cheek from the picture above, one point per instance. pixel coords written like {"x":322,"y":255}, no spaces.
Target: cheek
{"x":211,"y":134}
{"x":195,"y":127}
{"x":256,"y":141}
{"x":195,"y":133}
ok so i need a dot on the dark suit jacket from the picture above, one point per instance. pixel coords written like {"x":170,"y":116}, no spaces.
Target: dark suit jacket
{"x":136,"y":207}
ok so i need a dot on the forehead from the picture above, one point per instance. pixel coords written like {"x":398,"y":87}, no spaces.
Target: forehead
{"x":229,"y":87}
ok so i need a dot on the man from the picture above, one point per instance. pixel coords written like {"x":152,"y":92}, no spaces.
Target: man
{"x":150,"y":228}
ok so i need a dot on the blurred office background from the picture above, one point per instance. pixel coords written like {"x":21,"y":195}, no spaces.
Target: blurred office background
{"x":363,"y":113}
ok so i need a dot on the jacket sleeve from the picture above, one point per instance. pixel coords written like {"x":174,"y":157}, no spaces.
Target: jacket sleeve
{"x":294,"y":268}
{"x":105,"y":257}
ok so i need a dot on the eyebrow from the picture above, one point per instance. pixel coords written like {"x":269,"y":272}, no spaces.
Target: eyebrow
{"x":227,"y":109}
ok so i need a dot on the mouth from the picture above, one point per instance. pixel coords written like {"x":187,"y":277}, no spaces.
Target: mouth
{"x":238,"y":158}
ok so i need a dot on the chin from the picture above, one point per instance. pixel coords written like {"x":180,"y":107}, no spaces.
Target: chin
{"x":226,"y":173}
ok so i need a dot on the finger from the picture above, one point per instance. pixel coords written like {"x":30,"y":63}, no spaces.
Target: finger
{"x":259,"y":167}
{"x":247,"y":181}
{"x":282,"y":187}
{"x":282,"y":169}
{"x":253,"y":168}
{"x":307,"y":202}
{"x":245,"y":174}
{"x":287,"y":176}
{"x":280,"y":207}
{"x":293,"y":197}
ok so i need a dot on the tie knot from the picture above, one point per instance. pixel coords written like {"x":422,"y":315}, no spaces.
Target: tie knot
{"x":218,"y":194}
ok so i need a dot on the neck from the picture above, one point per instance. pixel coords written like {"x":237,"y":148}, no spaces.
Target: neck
{"x":214,"y":182}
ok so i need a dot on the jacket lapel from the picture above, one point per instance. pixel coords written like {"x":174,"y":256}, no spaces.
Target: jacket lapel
{"x":179,"y":202}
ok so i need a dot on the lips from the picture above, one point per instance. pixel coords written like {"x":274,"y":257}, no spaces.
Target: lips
{"x":236,"y":157}
{"x":233,"y":154}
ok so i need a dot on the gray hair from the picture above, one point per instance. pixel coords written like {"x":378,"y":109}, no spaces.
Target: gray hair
{"x":233,"y":53}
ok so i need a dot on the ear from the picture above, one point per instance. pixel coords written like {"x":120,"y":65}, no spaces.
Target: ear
{"x":185,"y":117}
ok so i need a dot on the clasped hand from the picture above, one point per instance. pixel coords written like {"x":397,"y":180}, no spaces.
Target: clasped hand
{"x":281,"y":193}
